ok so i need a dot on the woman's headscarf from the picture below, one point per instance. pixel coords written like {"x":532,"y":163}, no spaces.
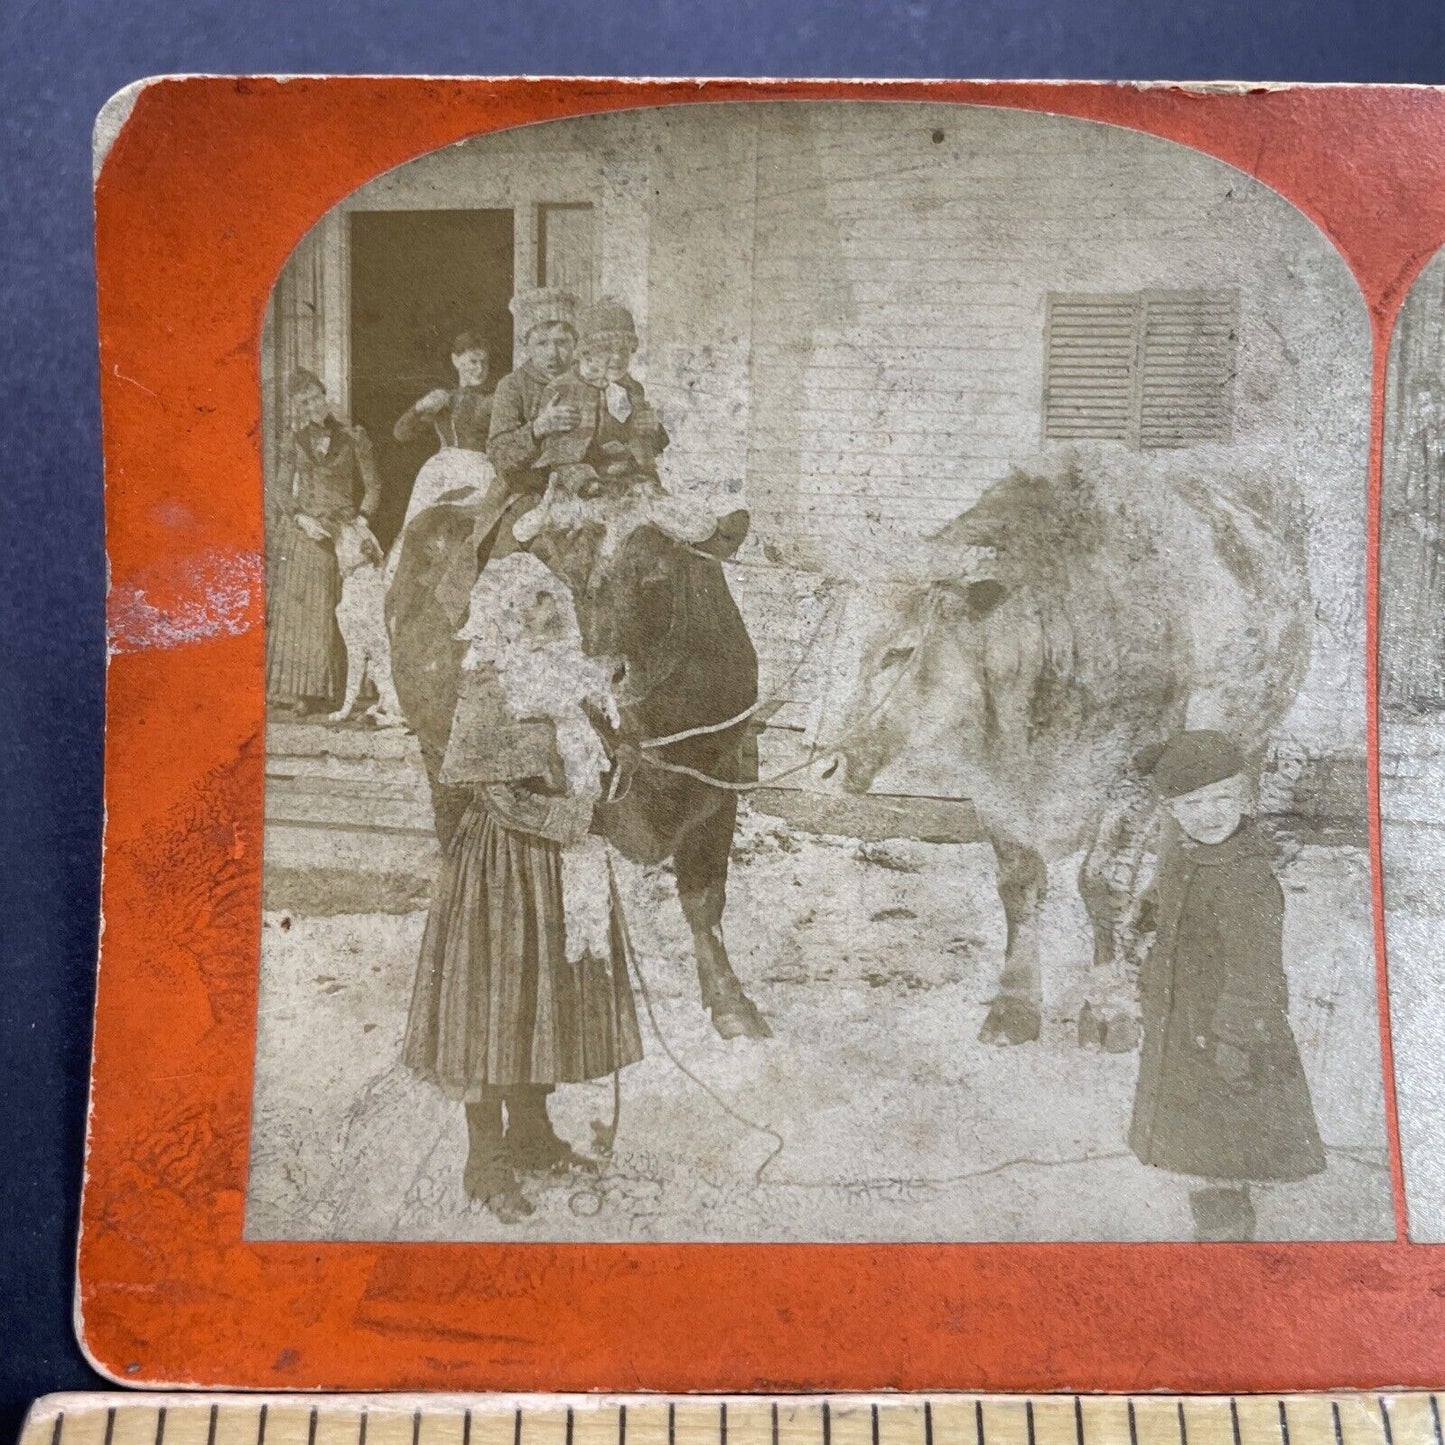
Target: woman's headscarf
{"x":505,"y":587}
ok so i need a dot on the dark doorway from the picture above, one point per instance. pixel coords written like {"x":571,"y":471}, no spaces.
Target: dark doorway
{"x":417,"y":279}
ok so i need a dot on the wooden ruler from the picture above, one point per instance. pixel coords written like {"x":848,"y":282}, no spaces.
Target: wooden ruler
{"x":945,"y":1419}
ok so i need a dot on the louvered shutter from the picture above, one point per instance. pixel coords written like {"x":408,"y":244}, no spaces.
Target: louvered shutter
{"x":1186,"y":367}
{"x":1153,"y":369}
{"x":1089,"y":375}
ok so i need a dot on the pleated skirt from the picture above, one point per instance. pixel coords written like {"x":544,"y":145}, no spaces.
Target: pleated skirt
{"x":305,"y":655}
{"x":496,"y":1001}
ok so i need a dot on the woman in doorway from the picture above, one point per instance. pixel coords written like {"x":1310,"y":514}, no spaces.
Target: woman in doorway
{"x":459,"y":473}
{"x":326,"y":469}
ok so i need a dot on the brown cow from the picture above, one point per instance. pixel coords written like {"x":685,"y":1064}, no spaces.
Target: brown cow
{"x":664,"y":609}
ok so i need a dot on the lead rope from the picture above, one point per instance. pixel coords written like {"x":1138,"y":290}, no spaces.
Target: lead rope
{"x":706,"y":728}
{"x":604,"y":1136}
{"x":634,"y":969}
{"x":648,"y":744}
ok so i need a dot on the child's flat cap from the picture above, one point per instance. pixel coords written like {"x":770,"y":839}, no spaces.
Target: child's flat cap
{"x":1191,"y":760}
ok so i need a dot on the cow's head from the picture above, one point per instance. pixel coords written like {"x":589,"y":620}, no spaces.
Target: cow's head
{"x":923,"y":678}
{"x":630,"y":571}
{"x":634,"y":595}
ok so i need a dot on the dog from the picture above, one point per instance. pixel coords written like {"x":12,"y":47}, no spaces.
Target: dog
{"x":360,"y":614}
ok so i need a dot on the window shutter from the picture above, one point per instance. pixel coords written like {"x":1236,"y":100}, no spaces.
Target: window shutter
{"x":1089,"y":371}
{"x":1152,"y":368}
{"x":1187,"y":367}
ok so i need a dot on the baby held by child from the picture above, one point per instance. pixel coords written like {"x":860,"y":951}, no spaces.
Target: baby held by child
{"x":604,"y":469}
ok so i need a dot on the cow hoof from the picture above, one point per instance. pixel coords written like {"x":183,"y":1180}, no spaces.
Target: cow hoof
{"x":1011,"y":1020}
{"x":740,"y":1019}
{"x":1111,"y":1033}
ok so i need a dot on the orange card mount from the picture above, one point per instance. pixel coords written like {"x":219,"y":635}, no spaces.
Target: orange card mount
{"x":770,"y":736}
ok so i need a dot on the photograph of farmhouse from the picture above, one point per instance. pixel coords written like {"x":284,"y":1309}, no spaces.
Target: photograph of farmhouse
{"x":817,"y":691}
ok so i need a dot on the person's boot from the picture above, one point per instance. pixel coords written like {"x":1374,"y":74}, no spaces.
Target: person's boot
{"x":532,"y":1142}
{"x":1222,"y":1215}
{"x":488,"y":1176}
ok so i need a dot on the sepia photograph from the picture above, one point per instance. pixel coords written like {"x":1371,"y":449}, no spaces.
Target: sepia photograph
{"x":816,"y":691}
{"x":1412,"y":732}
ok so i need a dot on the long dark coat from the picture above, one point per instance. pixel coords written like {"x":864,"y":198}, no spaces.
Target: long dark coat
{"x":510,"y":443}
{"x":1216,"y":975}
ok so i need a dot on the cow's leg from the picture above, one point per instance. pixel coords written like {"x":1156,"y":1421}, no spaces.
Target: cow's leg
{"x":1015,"y":1015}
{"x":1108,"y":878}
{"x":701,"y":859}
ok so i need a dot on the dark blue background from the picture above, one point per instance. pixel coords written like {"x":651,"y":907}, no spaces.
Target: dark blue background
{"x":59,"y":60}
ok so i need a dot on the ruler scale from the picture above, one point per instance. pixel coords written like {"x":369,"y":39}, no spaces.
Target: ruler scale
{"x":1405,"y":1418}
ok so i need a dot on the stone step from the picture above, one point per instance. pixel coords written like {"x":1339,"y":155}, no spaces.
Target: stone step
{"x":328,"y":870}
{"x":1396,"y":766}
{"x":328,"y":765}
{"x":345,"y":812}
{"x":1412,"y":739}
{"x":404,"y":785}
{"x":1425,"y":808}
{"x":338,"y":740}
{"x":1412,"y":783}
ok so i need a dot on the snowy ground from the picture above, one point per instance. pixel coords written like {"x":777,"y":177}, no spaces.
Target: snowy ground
{"x":872,"y":1114}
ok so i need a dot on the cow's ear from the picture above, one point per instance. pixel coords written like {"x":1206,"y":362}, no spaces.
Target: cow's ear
{"x":974,"y":600}
{"x":732,"y":531}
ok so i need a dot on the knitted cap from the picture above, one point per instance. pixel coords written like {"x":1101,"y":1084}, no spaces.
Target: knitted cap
{"x":542,"y":306}
{"x":606,"y":322}
{"x":1192,"y":760}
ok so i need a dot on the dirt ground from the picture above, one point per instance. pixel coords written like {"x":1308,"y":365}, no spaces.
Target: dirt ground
{"x":874,"y":1113}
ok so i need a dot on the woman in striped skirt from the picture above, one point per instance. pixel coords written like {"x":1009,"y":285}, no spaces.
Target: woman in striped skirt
{"x":522,"y":982}
{"x":326,"y":469}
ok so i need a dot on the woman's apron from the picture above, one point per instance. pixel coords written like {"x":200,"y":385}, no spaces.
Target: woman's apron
{"x":455,"y":475}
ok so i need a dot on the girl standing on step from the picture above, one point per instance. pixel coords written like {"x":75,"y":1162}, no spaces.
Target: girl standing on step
{"x":521,"y":983}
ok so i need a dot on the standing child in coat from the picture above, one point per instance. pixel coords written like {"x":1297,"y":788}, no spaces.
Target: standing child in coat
{"x":1222,"y":1095}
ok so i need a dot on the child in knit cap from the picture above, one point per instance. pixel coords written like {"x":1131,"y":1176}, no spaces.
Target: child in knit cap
{"x":604,"y":470}
{"x":1222,"y":1095}
{"x":618,"y":437}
